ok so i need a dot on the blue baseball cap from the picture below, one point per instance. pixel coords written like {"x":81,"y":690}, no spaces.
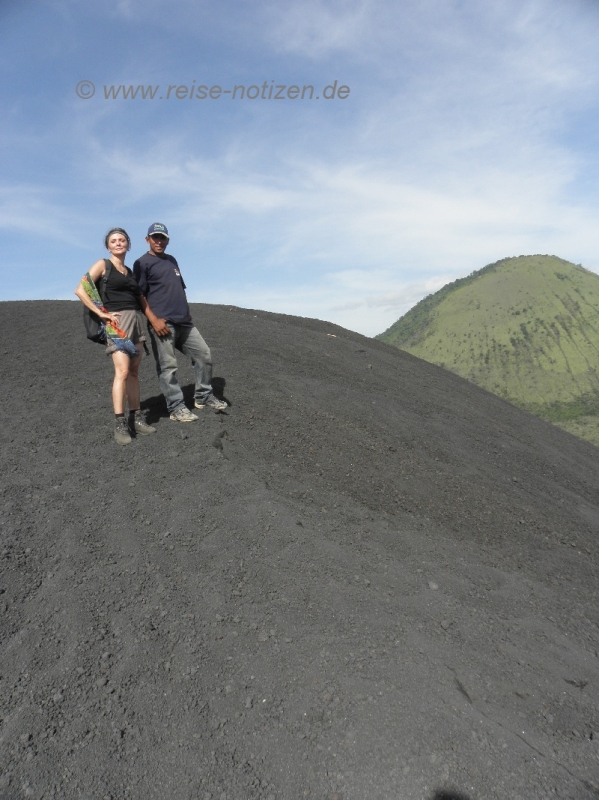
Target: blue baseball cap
{"x":158,"y":227}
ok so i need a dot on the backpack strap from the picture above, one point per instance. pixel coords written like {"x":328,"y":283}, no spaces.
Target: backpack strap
{"x":101,"y":284}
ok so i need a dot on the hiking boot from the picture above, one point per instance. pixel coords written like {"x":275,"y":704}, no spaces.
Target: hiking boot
{"x":183,"y":414}
{"x":140,"y":425}
{"x":121,"y":431}
{"x":212,"y":402}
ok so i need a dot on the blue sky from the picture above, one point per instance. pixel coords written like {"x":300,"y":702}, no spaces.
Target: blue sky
{"x":470,"y":132}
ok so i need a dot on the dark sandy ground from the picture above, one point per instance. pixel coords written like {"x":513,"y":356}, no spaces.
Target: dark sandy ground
{"x":369,"y":579}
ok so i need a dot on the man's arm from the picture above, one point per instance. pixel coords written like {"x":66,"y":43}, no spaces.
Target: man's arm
{"x":157,"y":323}
{"x":141,"y":276}
{"x":140,"y":272}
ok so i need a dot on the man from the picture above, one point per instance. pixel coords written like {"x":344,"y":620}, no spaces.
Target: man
{"x":171,"y":327}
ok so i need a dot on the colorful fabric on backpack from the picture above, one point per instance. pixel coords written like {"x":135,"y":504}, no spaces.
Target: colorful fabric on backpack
{"x":115,"y":334}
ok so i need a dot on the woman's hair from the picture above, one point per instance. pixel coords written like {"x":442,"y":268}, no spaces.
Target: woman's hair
{"x":117,"y":230}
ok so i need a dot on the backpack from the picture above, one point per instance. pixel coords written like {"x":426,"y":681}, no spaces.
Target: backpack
{"x":94,"y":327}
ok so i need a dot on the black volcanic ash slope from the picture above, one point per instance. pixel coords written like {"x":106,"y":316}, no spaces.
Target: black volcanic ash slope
{"x":369,"y":579}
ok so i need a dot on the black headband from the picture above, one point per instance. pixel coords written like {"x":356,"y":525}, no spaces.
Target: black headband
{"x":116,"y":230}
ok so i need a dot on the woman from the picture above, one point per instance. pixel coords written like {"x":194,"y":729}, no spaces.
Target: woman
{"x":122,"y":301}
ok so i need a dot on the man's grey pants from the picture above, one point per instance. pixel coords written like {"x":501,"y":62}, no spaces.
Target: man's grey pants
{"x":188,"y":340}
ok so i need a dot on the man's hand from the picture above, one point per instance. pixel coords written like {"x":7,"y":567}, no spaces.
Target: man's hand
{"x":160,"y":326}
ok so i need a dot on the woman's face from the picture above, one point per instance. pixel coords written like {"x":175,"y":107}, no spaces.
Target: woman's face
{"x":117,"y":244}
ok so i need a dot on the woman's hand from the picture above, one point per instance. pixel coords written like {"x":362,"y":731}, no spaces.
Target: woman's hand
{"x":105,"y":316}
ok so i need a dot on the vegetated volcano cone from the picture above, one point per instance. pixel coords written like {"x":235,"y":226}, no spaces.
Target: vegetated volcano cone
{"x":368,"y":579}
{"x":525,"y":328}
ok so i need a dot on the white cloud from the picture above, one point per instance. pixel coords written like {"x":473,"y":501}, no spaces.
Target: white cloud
{"x":316,"y":28}
{"x":37,"y":211}
{"x":461,"y":144}
{"x":355,"y":299}
{"x":355,"y":243}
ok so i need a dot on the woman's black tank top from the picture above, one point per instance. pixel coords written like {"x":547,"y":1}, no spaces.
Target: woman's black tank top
{"x":121,"y":291}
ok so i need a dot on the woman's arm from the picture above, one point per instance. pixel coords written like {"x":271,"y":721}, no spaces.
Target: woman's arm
{"x":95,"y":272}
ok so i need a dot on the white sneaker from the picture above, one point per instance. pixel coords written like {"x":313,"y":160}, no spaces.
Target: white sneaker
{"x":213,"y":403}
{"x":183,"y":414}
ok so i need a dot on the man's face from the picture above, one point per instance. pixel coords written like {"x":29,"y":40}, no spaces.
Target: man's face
{"x":157,"y":243}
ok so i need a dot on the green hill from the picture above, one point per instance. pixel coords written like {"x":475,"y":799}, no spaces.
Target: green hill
{"x":524,"y":328}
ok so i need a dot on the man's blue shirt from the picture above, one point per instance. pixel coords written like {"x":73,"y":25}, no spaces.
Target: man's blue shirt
{"x":163,"y":287}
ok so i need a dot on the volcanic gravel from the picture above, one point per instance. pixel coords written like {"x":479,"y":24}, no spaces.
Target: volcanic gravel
{"x":367,"y":579}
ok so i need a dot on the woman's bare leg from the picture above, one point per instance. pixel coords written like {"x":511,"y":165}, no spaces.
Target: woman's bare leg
{"x":122,"y":365}
{"x":132,"y":388}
